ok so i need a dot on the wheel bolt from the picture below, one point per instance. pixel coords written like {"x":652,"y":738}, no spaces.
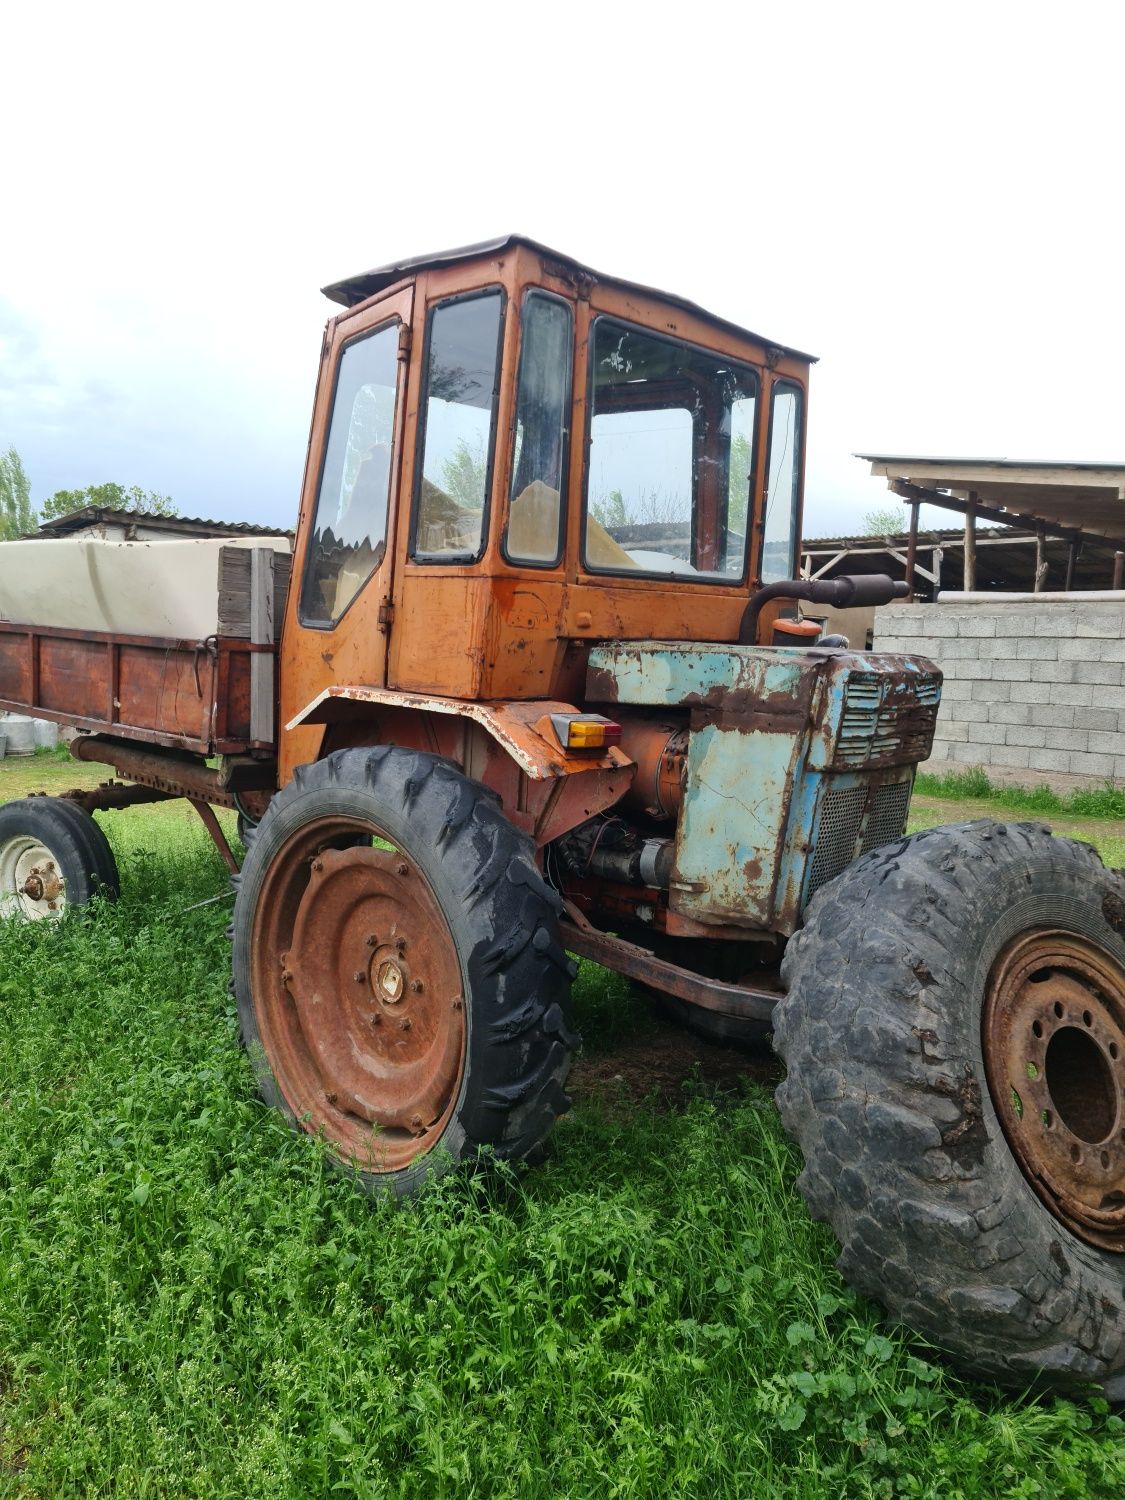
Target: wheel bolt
{"x":400,"y":945}
{"x":318,"y":865}
{"x":458,"y":1003}
{"x":406,"y":1023}
{"x":330,"y":1099}
{"x":402,"y":868}
{"x":416,"y":986}
{"x":359,"y":976}
{"x":372,"y":940}
{"x":417,"y":1124}
{"x":376,"y":1019}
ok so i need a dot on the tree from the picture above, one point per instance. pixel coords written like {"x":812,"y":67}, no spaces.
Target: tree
{"x":738,"y":489}
{"x":17,"y":517}
{"x":883,"y":522}
{"x":110,"y":497}
{"x":463,"y":473}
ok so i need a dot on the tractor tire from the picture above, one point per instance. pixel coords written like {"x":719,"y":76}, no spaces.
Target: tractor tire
{"x":53,"y":858}
{"x":401,"y":984}
{"x":954,"y":1036}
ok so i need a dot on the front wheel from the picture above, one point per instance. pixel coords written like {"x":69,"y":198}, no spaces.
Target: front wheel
{"x":400,"y":980}
{"x":954,"y":1034}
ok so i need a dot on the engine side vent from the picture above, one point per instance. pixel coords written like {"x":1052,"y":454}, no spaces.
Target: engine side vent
{"x":887,"y":721}
{"x":841,"y":816}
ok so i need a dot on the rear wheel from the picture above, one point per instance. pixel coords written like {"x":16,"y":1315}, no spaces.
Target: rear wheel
{"x":53,"y":856}
{"x":400,"y":979}
{"x":954,"y":1033}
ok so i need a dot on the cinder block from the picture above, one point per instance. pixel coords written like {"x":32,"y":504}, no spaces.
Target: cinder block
{"x":1053,"y":715}
{"x":1119,"y":767}
{"x":1106,"y":743}
{"x":1012,"y":671}
{"x":1110,"y":697}
{"x":1107,"y":672}
{"x":1050,"y":619}
{"x":954,"y":730}
{"x":940,"y":622}
{"x":989,"y":734}
{"x":1018,"y":734}
{"x":1070,"y":648}
{"x":1048,"y":760}
{"x":975,"y":625}
{"x":1038,"y":648}
{"x":991,"y":692}
{"x":1002,"y":646}
{"x":1098,"y":620}
{"x":1096,"y":718}
{"x":1067,"y":739}
{"x":1008,"y":713}
{"x":1054,"y":671}
{"x":1010,"y":755}
{"x":1112,"y":650}
{"x":1092,"y":765}
{"x":953,"y":690}
{"x":1013,"y":622}
{"x":974,"y":754}
{"x":1081,"y":694}
{"x":1028,"y":692}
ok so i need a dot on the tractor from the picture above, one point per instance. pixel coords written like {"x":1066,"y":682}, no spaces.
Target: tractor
{"x":544,"y":690}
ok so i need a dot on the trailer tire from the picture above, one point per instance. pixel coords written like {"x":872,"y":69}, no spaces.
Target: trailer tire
{"x":918,"y":1035}
{"x":40,"y":831}
{"x":392,"y":863}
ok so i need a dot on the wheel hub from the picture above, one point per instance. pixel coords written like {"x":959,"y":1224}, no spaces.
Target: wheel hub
{"x":30,"y":882}
{"x":362,"y":1018}
{"x":1054,"y":1047}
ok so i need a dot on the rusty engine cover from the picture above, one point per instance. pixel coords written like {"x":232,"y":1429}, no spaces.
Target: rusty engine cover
{"x":798,"y":761}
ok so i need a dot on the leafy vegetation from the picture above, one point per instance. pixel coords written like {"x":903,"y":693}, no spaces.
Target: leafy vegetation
{"x":17,"y":515}
{"x":193,"y":1303}
{"x":111,"y":497}
{"x":886,"y":521}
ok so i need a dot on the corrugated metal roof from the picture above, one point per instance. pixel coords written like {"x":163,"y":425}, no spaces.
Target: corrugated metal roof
{"x":92,"y":515}
{"x":354,"y":289}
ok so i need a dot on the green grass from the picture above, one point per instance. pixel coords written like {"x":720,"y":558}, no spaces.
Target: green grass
{"x":193,"y":1303}
{"x":973,"y":784}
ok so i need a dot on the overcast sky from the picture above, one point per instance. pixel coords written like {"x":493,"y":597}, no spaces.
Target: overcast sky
{"x":929,"y":197}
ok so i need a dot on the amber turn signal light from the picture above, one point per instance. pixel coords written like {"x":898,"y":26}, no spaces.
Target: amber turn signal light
{"x":585,"y":731}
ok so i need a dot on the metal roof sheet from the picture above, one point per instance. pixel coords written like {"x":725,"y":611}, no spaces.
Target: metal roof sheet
{"x":355,"y":289}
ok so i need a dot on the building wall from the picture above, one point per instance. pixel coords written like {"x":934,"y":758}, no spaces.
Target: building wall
{"x":1031,"y":684}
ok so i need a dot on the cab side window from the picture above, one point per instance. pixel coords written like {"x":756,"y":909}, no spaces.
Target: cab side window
{"x":543,"y":398}
{"x":462,"y":382}
{"x":350,"y":526}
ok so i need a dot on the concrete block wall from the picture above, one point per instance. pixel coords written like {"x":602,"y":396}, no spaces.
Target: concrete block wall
{"x":1034,"y":685}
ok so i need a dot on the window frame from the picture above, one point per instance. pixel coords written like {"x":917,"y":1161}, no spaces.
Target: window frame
{"x":310,"y":545}
{"x":779,"y":387}
{"x":709,"y":580}
{"x":568,"y":432}
{"x":456,"y":559}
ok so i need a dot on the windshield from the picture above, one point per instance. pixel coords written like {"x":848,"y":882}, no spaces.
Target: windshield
{"x":670,"y":457}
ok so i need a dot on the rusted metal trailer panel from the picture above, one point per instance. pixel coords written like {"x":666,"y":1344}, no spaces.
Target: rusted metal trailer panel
{"x":185,"y":695}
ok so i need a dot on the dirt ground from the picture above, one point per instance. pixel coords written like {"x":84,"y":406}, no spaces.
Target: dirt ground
{"x":658,"y":1060}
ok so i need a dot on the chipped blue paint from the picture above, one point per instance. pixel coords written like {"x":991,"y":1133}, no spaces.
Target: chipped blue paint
{"x":774,"y":732}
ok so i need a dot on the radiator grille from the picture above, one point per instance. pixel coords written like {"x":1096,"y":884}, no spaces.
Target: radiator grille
{"x":887,"y":818}
{"x":837,"y":835}
{"x":843,"y":832}
{"x":887,"y":721}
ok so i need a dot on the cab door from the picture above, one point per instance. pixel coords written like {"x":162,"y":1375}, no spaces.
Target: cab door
{"x":338,"y":607}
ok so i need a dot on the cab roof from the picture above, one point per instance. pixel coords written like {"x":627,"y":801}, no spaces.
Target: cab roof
{"x":355,"y":289}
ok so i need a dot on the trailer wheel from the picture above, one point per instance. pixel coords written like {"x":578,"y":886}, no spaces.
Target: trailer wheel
{"x":53,"y":857}
{"x":401,"y":984}
{"x":954,"y":1033}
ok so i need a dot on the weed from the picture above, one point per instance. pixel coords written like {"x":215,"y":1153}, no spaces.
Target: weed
{"x":972,"y":784}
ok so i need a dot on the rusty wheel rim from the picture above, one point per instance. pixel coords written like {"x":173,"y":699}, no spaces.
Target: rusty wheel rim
{"x":357,"y":992}
{"x":1054,"y":1049}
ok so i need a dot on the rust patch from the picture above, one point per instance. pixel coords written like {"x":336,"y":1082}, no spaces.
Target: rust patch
{"x":921,"y":973}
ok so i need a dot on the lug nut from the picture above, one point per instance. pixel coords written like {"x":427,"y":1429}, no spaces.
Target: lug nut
{"x":417,"y":1124}
{"x":372,"y":940}
{"x":416,"y":986}
{"x":359,"y":976}
{"x":402,"y":868}
{"x":406,"y":1023}
{"x":318,"y":865}
{"x":330,"y":1099}
{"x":458,"y":1003}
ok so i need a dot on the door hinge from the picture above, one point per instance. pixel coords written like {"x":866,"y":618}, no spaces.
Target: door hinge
{"x":405,"y":339}
{"x":386,"y":616}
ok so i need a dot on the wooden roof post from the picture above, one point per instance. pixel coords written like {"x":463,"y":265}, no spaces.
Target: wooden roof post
{"x":912,"y":549}
{"x":971,"y":543}
{"x":1118,"y":568}
{"x":1040,"y":558}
